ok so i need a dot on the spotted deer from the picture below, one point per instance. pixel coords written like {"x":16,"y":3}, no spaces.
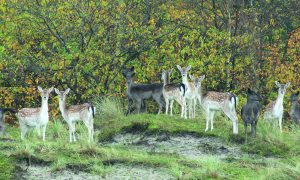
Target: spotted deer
{"x":212,"y":101}
{"x":35,"y":117}
{"x":173,"y":92}
{"x":83,"y":112}
{"x":190,"y":93}
{"x":274,"y":110}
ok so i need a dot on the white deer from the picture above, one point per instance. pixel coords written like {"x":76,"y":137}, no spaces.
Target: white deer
{"x":190,"y":93}
{"x":35,"y":117}
{"x":83,"y":112}
{"x":173,"y":92}
{"x":213,"y":101}
{"x":274,"y":109}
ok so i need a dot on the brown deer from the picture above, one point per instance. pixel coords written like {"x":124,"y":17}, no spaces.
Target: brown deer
{"x":173,"y":92}
{"x":83,"y":112}
{"x":35,"y":117}
{"x":212,"y":101}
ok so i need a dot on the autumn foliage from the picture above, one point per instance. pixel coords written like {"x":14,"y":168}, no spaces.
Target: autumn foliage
{"x":82,"y":45}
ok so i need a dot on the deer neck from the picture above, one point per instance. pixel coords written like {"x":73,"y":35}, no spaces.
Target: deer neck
{"x":185,"y":80}
{"x":165,"y":81}
{"x":279,"y":101}
{"x":129,"y":83}
{"x":44,"y":107}
{"x":62,"y":107}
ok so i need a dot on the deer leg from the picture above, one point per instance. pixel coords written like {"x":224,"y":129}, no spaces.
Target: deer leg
{"x":138,"y":106}
{"x":194,"y":107}
{"x":171,"y":107}
{"x":280,"y":123}
{"x":130,"y":101}
{"x":185,"y":108}
{"x":24,"y":130}
{"x":253,"y":129}
{"x":211,"y":117}
{"x":160,"y":102}
{"x":167,"y":106}
{"x":38,"y":129}
{"x":70,"y":131}
{"x":207,"y":115}
{"x":73,"y":131}
{"x":44,"y":131}
{"x":245,"y":125}
{"x":231,"y":114}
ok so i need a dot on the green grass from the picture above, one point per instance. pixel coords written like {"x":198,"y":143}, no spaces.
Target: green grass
{"x":282,"y":149}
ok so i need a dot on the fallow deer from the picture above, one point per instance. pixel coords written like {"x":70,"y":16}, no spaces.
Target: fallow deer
{"x":295,"y":109}
{"x":250,"y":112}
{"x":137,"y":93}
{"x":83,"y":112}
{"x":173,"y":92}
{"x":190,"y":93}
{"x":212,"y":101}
{"x":274,"y":110}
{"x":35,"y":117}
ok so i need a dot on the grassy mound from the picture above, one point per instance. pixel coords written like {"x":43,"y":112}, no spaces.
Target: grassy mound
{"x":275,"y":155}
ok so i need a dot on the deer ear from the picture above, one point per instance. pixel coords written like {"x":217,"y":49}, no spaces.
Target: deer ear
{"x":179,"y":68}
{"x":277,"y":83}
{"x":163,"y":71}
{"x":249,"y":90}
{"x":50,"y":90}
{"x":192,"y":77}
{"x":40,"y":89}
{"x":67,"y":91}
{"x":188,"y":68}
{"x":202,"y":77}
{"x":56,"y":91}
{"x":170,"y":71}
{"x":287,"y":85}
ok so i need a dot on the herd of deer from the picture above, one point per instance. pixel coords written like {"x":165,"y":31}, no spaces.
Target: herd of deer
{"x":186,"y":94}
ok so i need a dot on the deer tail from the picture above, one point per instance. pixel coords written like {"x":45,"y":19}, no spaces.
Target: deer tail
{"x":182,"y":86}
{"x":92,"y":109}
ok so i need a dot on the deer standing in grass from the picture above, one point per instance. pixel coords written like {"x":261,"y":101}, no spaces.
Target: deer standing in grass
{"x":190,"y":94}
{"x":274,"y":110}
{"x":173,"y":92}
{"x":137,"y":93}
{"x":83,"y":112}
{"x":212,"y":101}
{"x":35,"y":117}
{"x":250,"y":112}
{"x":295,"y":109}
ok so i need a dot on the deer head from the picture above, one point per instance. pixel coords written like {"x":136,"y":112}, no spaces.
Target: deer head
{"x":282,"y":87}
{"x":294,"y":97}
{"x":62,"y":94}
{"x":253,"y":96}
{"x":183,"y":71}
{"x":197,"y":81}
{"x":128,"y":73}
{"x":45,"y":93}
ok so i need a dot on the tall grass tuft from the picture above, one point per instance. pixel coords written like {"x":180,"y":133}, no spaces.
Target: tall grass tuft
{"x":109,"y":107}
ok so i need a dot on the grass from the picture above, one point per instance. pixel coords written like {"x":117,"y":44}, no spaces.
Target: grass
{"x":276,"y":155}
